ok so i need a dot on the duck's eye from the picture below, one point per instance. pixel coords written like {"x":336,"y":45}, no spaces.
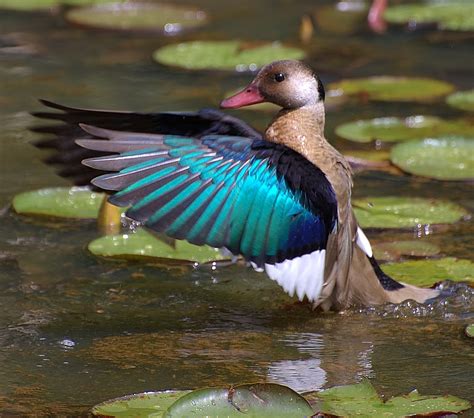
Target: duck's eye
{"x":279,"y":77}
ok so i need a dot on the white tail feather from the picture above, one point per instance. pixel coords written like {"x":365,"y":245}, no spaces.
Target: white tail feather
{"x":363,"y":242}
{"x":301,"y":275}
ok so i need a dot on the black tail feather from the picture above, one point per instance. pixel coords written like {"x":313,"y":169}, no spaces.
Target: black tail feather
{"x":385,"y":280}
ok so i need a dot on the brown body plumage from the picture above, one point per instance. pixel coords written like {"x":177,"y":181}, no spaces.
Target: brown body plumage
{"x":349,"y":275}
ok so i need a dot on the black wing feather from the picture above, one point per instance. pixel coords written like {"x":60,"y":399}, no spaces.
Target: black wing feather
{"x":68,"y":153}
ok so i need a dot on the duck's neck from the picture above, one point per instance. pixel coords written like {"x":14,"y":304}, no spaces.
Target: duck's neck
{"x":301,"y":129}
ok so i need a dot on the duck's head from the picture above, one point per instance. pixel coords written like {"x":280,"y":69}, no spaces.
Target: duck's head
{"x":289,"y":84}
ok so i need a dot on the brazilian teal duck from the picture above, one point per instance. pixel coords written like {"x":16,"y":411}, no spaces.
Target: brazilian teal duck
{"x":282,"y":199}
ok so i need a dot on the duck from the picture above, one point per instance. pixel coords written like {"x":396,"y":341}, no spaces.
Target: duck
{"x":281,"y":199}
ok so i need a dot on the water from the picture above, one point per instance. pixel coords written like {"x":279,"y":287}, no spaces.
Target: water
{"x":76,"y":330}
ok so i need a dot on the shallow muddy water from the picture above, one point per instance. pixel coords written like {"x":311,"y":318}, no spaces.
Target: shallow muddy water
{"x":76,"y":330}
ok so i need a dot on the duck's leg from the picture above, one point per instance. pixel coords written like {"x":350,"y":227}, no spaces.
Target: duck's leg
{"x":109,"y":220}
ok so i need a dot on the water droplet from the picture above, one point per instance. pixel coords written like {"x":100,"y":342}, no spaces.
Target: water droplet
{"x":67,"y":344}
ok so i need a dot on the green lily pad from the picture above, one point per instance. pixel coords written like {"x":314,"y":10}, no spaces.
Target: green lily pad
{"x":143,"y":244}
{"x":62,"y":202}
{"x":31,"y":5}
{"x":258,"y":400}
{"x":387,"y":88}
{"x":224,"y":55}
{"x":429,"y":272}
{"x":390,"y":251}
{"x":362,"y":400}
{"x":405,"y":212}
{"x":462,"y":100}
{"x":449,"y":158}
{"x":393,"y":129}
{"x":138,"y":15}
{"x":449,"y":15}
{"x":140,"y":405}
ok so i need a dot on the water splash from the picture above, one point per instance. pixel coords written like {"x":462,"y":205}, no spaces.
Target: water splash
{"x":457,"y":304}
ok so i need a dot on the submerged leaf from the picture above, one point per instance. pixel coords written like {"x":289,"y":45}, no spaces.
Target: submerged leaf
{"x":395,"y":249}
{"x":62,"y":202}
{"x":462,"y":100}
{"x":224,"y":55}
{"x":138,"y":15}
{"x":405,"y":212}
{"x":388,"y":88}
{"x":450,"y":15}
{"x":362,"y":400}
{"x":429,"y":272}
{"x":143,"y":244}
{"x":393,"y":129}
{"x":449,"y":158}
{"x":140,"y":405}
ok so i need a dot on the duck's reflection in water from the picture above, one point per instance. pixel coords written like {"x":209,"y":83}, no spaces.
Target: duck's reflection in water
{"x":322,"y":364}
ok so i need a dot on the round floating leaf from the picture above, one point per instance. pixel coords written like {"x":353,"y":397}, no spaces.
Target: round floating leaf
{"x":224,"y":55}
{"x":462,"y":100}
{"x":362,"y":400}
{"x":469,"y":330}
{"x":393,"y":129}
{"x":139,"y":405}
{"x":429,"y":272}
{"x":27,"y":4}
{"x":405,"y":212}
{"x":258,"y":400}
{"x":394,"y":250}
{"x":138,"y":15}
{"x":387,"y":88}
{"x":450,"y":15}
{"x":142,"y":244}
{"x":62,"y":202}
{"x":450,"y":158}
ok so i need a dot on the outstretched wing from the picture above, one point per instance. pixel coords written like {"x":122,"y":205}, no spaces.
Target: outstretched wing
{"x":256,"y":198}
{"x":68,"y":155}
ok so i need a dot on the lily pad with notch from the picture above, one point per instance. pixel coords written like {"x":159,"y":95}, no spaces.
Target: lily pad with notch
{"x":405,"y":212}
{"x":224,"y":55}
{"x":394,"y":129}
{"x":256,"y":400}
{"x":391,"y":88}
{"x":138,"y":16}
{"x":144,"y":245}
{"x":448,"y":15}
{"x":446,"y":158}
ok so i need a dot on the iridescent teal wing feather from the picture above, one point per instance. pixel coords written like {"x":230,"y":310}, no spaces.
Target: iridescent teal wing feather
{"x":258,"y":199}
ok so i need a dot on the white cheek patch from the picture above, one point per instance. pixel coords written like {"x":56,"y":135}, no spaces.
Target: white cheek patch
{"x":363,"y":242}
{"x":301,"y":275}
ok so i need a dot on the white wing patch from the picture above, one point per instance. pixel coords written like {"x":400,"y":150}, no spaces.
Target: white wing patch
{"x":363,"y":242}
{"x":301,"y":275}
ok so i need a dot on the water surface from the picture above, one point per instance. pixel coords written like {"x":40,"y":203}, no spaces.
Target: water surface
{"x":76,"y":330}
